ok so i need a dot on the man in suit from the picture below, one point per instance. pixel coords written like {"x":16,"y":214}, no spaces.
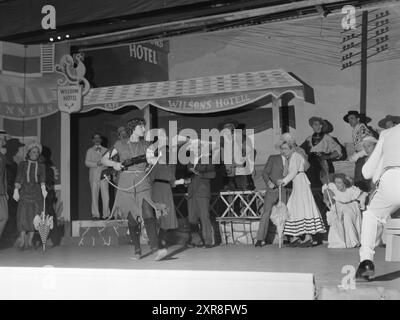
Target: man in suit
{"x":383,"y":167}
{"x":275,"y":169}
{"x":97,"y":185}
{"x":199,"y":195}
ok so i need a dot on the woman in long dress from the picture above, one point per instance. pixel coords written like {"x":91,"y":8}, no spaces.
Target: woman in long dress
{"x":30,"y":192}
{"x":163,"y":180}
{"x":345,"y":203}
{"x":304,"y":216}
{"x":133,"y":199}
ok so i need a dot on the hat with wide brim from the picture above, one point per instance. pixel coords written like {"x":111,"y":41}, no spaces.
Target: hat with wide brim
{"x":362,"y":117}
{"x":4,"y":134}
{"x":329,"y":127}
{"x":320,"y":120}
{"x":394,"y":119}
{"x":14,"y":143}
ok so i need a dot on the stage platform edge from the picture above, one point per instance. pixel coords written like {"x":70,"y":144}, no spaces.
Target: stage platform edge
{"x":109,"y":284}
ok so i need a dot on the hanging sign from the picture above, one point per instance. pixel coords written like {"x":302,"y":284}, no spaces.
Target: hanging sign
{"x":74,"y":86}
{"x":70,"y":98}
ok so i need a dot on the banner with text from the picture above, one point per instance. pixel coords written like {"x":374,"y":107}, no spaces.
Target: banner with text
{"x":127,"y":64}
{"x":195,"y":104}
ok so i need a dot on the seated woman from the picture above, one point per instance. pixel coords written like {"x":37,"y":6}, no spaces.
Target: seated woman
{"x":345,"y":203}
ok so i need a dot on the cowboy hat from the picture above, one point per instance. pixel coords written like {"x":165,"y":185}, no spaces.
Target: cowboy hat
{"x":329,"y":126}
{"x":360,"y":116}
{"x":320,"y":120}
{"x":14,"y":144}
{"x":394,"y":119}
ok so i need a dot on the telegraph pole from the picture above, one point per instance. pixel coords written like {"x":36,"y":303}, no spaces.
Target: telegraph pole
{"x":360,"y":45}
{"x":364,"y":59}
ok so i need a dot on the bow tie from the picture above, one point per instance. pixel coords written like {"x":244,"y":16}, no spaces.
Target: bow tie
{"x":98,"y":149}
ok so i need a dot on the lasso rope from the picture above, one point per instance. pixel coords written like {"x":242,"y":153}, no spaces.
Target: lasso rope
{"x":136,"y":184}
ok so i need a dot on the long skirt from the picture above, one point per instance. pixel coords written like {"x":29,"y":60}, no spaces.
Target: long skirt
{"x":304,"y":216}
{"x":130,"y":201}
{"x":26,"y":212}
{"x":162,"y":193}
{"x":345,"y":226}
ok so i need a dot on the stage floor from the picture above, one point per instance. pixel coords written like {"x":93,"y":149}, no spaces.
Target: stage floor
{"x":326,"y":264}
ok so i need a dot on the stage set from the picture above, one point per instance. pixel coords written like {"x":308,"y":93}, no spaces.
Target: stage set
{"x":61,"y":93}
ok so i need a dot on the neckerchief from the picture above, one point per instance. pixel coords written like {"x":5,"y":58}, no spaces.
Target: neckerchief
{"x":316,"y":138}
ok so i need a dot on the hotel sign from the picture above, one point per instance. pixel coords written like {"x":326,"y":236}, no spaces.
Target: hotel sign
{"x":207,"y":104}
{"x":70,"y":98}
{"x":191,"y":104}
{"x":74,"y":86}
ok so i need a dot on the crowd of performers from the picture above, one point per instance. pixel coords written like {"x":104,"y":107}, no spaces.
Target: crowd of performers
{"x":351,"y":222}
{"x":302,"y":175}
{"x":318,"y":199}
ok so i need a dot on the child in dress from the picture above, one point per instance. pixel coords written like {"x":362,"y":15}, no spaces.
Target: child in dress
{"x":30,"y":192}
{"x":345,"y":203}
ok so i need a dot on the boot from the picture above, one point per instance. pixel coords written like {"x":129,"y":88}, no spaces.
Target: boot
{"x":365,"y":271}
{"x":195,"y":235}
{"x":134,"y":233}
{"x":162,"y":235}
{"x":151,"y":230}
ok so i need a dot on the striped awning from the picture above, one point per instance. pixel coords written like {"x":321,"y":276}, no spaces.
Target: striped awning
{"x":198,"y":95}
{"x":31,"y":102}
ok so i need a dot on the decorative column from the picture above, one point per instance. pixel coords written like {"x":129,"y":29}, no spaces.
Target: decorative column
{"x":147,"y":117}
{"x":275,"y":120}
{"x":65,"y":170}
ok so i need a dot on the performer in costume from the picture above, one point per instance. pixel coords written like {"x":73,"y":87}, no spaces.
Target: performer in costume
{"x":275,"y":169}
{"x":365,"y":185}
{"x":344,"y":202}
{"x":93,"y":161}
{"x":199,"y":194}
{"x":321,"y":149}
{"x":389,"y":122}
{"x":357,"y":122}
{"x":134,"y":197}
{"x":163,"y":180}
{"x":304,"y":216}
{"x":383,"y":166}
{"x":3,"y":183}
{"x":29,"y":192}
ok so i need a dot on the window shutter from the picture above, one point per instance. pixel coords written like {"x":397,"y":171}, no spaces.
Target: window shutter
{"x":47,"y":58}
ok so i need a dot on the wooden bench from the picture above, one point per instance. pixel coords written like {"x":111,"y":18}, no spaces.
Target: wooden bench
{"x":393,"y":240}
